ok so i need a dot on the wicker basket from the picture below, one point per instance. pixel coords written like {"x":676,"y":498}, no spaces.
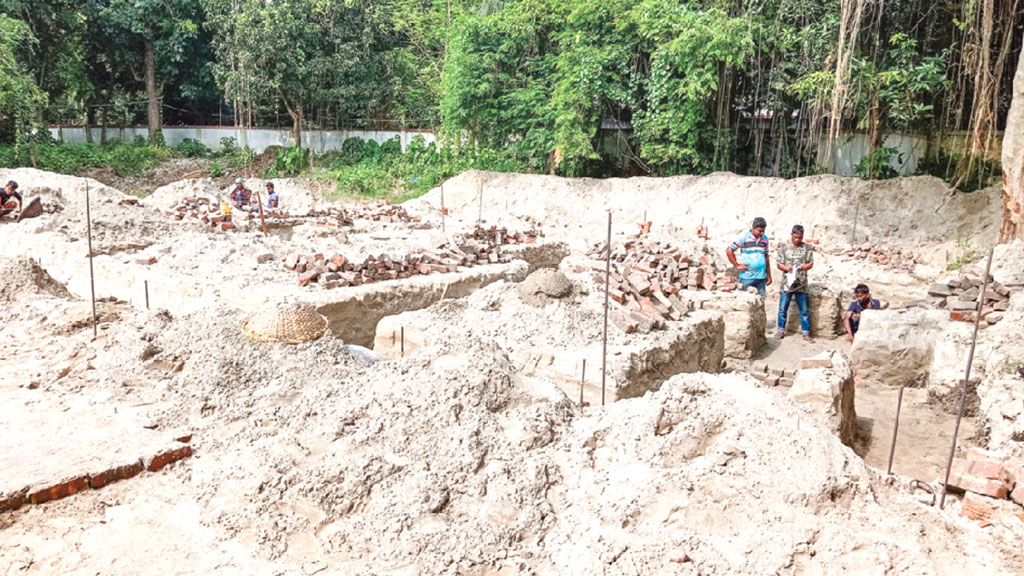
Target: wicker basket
{"x":290,"y":324}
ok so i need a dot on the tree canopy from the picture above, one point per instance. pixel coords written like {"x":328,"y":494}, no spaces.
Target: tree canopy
{"x":577,"y":87}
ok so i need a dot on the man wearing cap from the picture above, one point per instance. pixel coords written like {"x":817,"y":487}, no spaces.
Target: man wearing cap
{"x":794,"y":259}
{"x":10,"y":199}
{"x":753,"y":262}
{"x":241,"y":196}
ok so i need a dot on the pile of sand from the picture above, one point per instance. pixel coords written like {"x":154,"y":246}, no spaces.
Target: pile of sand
{"x":21,"y":277}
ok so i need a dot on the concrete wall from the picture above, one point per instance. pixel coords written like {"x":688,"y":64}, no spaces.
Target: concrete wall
{"x":258,"y":139}
{"x":850,"y":148}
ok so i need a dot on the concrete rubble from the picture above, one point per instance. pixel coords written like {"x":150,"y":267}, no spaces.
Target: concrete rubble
{"x":824,"y":385}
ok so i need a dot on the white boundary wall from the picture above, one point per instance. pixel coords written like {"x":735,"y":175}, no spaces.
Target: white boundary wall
{"x":258,"y":139}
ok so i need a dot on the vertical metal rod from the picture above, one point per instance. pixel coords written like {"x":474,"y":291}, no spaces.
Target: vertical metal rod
{"x":480,"y":215}
{"x":92,"y":280}
{"x":403,"y":342}
{"x":967,"y":376}
{"x":645,"y":217}
{"x":607,"y":282}
{"x":442,"y":208}
{"x":895,"y":430}
{"x":146,"y":284}
{"x":583,"y":376}
{"x":263,"y":221}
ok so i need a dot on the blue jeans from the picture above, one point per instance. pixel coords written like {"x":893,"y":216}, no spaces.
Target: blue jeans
{"x":759,"y":283}
{"x":803,"y":300}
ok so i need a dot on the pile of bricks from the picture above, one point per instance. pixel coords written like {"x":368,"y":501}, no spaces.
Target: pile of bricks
{"x":497,"y":236}
{"x":384,"y":211}
{"x":479,"y":246}
{"x":883,"y":255}
{"x":960,"y":297}
{"x":204,"y":210}
{"x":986,"y":477}
{"x":646,"y":279}
{"x":773,"y":376}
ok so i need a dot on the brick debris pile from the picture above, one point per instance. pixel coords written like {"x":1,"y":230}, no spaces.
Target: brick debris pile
{"x":384,"y":211}
{"x":204,"y":210}
{"x":960,"y":297}
{"x":479,"y":246}
{"x":647,"y":278}
{"x":883,"y":255}
{"x":987,"y":479}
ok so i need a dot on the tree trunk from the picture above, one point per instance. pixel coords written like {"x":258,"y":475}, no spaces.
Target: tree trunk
{"x":1013,"y":163}
{"x":90,"y":119}
{"x":296,"y":131}
{"x":152,"y":95}
{"x":103,"y":126}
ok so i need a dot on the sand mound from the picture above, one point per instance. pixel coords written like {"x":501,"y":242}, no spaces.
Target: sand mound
{"x":20,"y":277}
{"x":543,"y":286}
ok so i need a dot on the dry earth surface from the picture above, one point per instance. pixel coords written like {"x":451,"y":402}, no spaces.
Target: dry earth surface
{"x":457,"y":455}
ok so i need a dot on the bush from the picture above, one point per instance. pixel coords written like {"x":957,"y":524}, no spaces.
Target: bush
{"x":878,"y":164}
{"x":216,"y":169}
{"x":126,"y":159}
{"x":292,"y":160}
{"x":190,"y":148}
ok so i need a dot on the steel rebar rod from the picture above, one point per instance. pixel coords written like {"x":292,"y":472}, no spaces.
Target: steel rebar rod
{"x":145,"y":283}
{"x":967,"y":377}
{"x":895,"y":430}
{"x":92,"y":280}
{"x":583,"y":376}
{"x":607,"y":283}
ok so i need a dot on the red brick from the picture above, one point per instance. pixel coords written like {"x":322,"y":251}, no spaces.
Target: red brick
{"x":226,"y":225}
{"x":185,"y":439}
{"x":114,"y":474}
{"x":961,"y":315}
{"x":976,"y":477}
{"x":14,"y":501}
{"x":169,"y":457}
{"x":62,"y":490}
{"x":977,"y":507}
{"x":706,"y":260}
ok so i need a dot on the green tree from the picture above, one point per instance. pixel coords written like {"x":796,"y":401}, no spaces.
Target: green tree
{"x":21,"y":101}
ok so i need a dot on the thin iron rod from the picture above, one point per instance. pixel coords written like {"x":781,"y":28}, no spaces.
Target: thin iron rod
{"x":442,"y":208}
{"x":583,"y":376}
{"x":607,"y":282}
{"x":967,"y":376}
{"x":263,"y":221}
{"x":146,"y":284}
{"x":480,"y":215}
{"x":402,"y":345}
{"x":895,"y":430}
{"x":92,"y":280}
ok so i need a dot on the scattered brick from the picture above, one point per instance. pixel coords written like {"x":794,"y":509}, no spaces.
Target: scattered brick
{"x":169,"y":457}
{"x":984,"y":477}
{"x":977,"y":507}
{"x":14,"y":500}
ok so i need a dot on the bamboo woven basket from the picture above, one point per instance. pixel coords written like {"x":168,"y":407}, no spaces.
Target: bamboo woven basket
{"x":290,"y":324}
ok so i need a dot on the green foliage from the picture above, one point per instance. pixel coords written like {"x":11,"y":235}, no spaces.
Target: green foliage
{"x":292,"y":161}
{"x":964,"y":253}
{"x":877,"y":165}
{"x":216,"y":169}
{"x":126,"y":159}
{"x":190,"y":148}
{"x":400,"y":175}
{"x":980,"y":174}
{"x":20,"y":98}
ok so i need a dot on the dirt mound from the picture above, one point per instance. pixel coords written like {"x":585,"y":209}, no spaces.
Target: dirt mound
{"x":448,"y":463}
{"x":166,"y":197}
{"x":21,"y":276}
{"x":544,"y":285}
{"x":909,"y":212}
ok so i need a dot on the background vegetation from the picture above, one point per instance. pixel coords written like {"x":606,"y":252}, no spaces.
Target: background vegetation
{"x":575,"y":87}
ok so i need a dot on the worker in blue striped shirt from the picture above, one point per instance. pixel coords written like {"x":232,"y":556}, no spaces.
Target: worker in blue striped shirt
{"x":753,"y":261}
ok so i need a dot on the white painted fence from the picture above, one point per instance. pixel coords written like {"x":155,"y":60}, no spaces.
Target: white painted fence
{"x":258,"y":139}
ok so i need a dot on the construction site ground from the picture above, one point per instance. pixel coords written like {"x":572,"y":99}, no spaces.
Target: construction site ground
{"x":437,"y":427}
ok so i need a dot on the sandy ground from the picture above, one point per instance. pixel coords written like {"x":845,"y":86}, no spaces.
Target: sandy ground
{"x":309,"y":459}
